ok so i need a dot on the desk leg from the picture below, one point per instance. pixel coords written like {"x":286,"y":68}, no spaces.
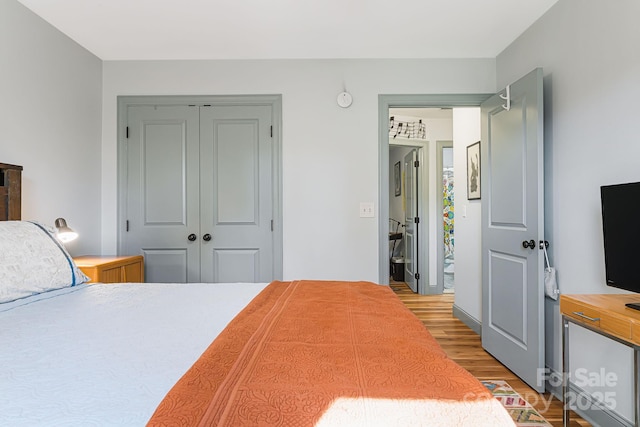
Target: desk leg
{"x":565,"y":371}
{"x":636,"y":363}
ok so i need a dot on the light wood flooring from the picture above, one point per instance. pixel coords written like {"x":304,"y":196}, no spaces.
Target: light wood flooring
{"x":463,"y":345}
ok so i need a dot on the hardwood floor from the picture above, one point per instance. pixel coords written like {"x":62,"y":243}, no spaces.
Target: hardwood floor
{"x":463,"y":345}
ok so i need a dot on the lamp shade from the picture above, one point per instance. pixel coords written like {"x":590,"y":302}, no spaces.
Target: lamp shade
{"x":65,"y":233}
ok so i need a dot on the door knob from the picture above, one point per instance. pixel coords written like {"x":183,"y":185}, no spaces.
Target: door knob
{"x":192,"y":237}
{"x":530,"y":244}
{"x":206,"y":237}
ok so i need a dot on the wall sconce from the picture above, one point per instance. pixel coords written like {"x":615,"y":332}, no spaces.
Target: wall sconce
{"x":64,"y":234}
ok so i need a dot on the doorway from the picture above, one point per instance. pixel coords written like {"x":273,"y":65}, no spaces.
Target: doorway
{"x":407,"y":210}
{"x":411,"y":103}
{"x":422,"y":241}
{"x":518,"y":127}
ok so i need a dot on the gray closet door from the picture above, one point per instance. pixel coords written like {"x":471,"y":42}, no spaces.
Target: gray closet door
{"x":162,"y":191}
{"x":236,"y":199}
{"x":513,"y":214}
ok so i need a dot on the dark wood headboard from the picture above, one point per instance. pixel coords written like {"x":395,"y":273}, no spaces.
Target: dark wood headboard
{"x":10,"y":192}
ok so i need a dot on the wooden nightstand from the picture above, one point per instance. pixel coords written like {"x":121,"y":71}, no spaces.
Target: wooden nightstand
{"x":112,"y":269}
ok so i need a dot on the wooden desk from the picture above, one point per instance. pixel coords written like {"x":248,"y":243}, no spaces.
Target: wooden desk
{"x":112,"y":269}
{"x":607,"y":315}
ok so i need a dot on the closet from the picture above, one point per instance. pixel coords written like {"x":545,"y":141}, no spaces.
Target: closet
{"x":200,"y":190}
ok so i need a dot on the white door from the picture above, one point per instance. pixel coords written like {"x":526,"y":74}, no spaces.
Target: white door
{"x":236,"y":194}
{"x":200,"y":192}
{"x":512,"y":190}
{"x":162,"y":191}
{"x":412,"y":220}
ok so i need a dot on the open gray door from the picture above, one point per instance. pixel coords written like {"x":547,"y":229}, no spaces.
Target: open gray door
{"x":512,"y":191}
{"x":412,"y":220}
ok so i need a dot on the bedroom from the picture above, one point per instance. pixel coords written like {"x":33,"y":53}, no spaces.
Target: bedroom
{"x":60,"y":101}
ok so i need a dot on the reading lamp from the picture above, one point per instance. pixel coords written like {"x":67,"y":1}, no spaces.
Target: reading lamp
{"x":65,"y":234}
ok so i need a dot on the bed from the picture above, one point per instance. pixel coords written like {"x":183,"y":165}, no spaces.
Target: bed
{"x":287,"y":353}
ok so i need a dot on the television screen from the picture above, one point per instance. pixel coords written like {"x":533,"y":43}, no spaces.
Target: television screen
{"x":621,"y":232}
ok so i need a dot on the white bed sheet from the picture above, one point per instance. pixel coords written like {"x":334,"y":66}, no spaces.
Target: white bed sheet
{"x":106,"y":354}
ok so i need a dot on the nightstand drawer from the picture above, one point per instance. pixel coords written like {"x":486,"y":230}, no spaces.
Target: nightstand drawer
{"x":112,"y":269}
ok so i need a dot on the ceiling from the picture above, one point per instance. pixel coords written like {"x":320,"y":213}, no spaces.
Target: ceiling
{"x":266,"y":29}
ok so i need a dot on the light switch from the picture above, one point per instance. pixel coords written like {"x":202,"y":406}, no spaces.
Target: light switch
{"x":366,"y":210}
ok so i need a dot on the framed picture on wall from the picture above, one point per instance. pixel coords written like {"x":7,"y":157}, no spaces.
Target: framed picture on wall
{"x":397,"y":180}
{"x":473,"y":171}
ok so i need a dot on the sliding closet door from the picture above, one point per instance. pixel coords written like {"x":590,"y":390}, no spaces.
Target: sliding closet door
{"x":162,"y":191}
{"x":236,"y":200}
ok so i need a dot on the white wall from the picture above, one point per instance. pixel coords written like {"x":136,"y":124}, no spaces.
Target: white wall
{"x":330,"y":154}
{"x":468,"y":213}
{"x":50,"y":122}
{"x":589,"y":52}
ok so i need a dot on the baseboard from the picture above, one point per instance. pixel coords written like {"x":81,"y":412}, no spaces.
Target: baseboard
{"x":590,"y":409}
{"x":467,"y":319}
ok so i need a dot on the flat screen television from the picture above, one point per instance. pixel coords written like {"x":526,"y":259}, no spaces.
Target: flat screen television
{"x":621,"y":232}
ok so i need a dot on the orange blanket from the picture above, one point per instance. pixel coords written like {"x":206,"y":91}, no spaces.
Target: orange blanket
{"x":309,"y":353}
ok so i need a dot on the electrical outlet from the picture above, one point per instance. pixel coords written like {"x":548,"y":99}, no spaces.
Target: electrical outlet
{"x":366,"y":210}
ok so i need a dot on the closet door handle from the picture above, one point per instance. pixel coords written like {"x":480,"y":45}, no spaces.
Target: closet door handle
{"x":192,"y":237}
{"x":530,"y":244}
{"x":206,"y":237}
